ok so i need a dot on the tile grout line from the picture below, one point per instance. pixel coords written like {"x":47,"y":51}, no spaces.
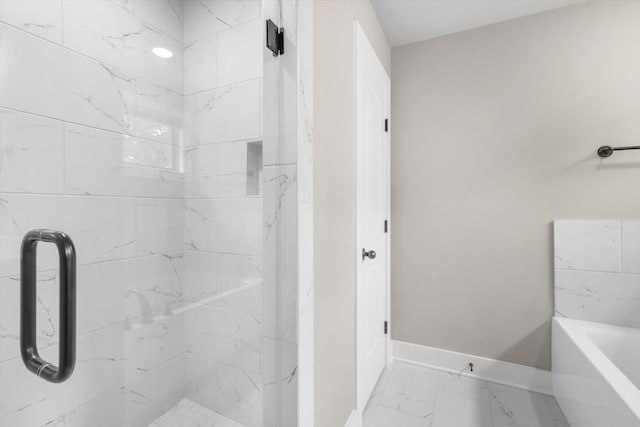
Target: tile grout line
{"x":594,"y":271}
{"x":225,"y":86}
{"x":111,"y":131}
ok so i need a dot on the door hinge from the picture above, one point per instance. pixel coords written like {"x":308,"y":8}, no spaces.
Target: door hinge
{"x":386,"y":327}
{"x":386,"y":125}
{"x":386,"y":226}
{"x":275,"y":38}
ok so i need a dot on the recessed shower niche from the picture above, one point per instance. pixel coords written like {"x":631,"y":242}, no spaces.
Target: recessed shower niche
{"x":254,"y":168}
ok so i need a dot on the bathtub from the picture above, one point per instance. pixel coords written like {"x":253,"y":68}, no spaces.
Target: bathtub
{"x":596,"y":373}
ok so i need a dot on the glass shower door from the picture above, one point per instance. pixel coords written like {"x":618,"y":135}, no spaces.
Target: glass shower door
{"x":91,"y":127}
{"x":135,"y":128}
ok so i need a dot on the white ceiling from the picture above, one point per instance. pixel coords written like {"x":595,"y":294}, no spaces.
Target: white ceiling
{"x":409,"y":21}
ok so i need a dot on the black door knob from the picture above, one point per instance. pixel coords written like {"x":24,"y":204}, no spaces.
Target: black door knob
{"x":368,"y":254}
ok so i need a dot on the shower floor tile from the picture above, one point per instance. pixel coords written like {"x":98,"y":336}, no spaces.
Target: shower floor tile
{"x":190,"y":414}
{"x":413,"y":396}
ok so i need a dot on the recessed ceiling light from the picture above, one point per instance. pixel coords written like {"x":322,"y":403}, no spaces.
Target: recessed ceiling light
{"x":162,"y":52}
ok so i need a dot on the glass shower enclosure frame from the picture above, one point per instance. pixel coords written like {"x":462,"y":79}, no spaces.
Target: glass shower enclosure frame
{"x":155,"y":213}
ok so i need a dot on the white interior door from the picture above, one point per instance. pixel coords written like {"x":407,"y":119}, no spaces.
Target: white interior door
{"x":372,"y":187}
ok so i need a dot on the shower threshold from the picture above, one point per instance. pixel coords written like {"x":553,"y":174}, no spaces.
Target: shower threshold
{"x":190,"y":414}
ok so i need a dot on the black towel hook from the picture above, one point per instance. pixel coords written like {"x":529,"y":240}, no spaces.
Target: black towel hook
{"x":607,"y":151}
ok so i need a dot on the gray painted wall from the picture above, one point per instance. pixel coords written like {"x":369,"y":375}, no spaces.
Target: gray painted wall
{"x":494,"y":132}
{"x":334,"y":199}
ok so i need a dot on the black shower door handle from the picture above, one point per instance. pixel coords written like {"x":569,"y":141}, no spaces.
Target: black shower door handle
{"x":28,"y":300}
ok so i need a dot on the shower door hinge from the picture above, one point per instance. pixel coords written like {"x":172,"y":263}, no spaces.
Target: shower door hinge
{"x":386,"y":327}
{"x":275,"y":38}
{"x":386,"y":125}
{"x":386,"y":225}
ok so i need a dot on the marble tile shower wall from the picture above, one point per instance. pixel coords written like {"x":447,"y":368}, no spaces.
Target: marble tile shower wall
{"x":224,"y":217}
{"x":597,"y":271}
{"x":91,"y":123}
{"x":143,"y":161}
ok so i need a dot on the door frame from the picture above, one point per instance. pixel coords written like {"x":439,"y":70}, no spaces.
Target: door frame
{"x":362,"y":44}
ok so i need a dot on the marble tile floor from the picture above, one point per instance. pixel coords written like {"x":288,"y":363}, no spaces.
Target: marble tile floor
{"x":413,"y":396}
{"x":190,"y":414}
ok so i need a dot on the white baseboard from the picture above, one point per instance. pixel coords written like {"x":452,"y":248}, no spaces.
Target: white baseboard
{"x":510,"y":374}
{"x":354,"y":420}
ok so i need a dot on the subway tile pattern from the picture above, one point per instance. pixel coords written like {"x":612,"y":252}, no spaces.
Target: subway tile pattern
{"x":414,"y":396}
{"x":597,"y":271}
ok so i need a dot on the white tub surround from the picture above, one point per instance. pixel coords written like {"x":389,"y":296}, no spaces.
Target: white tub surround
{"x":597,"y":271}
{"x":596,"y":329}
{"x":596,"y":375}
